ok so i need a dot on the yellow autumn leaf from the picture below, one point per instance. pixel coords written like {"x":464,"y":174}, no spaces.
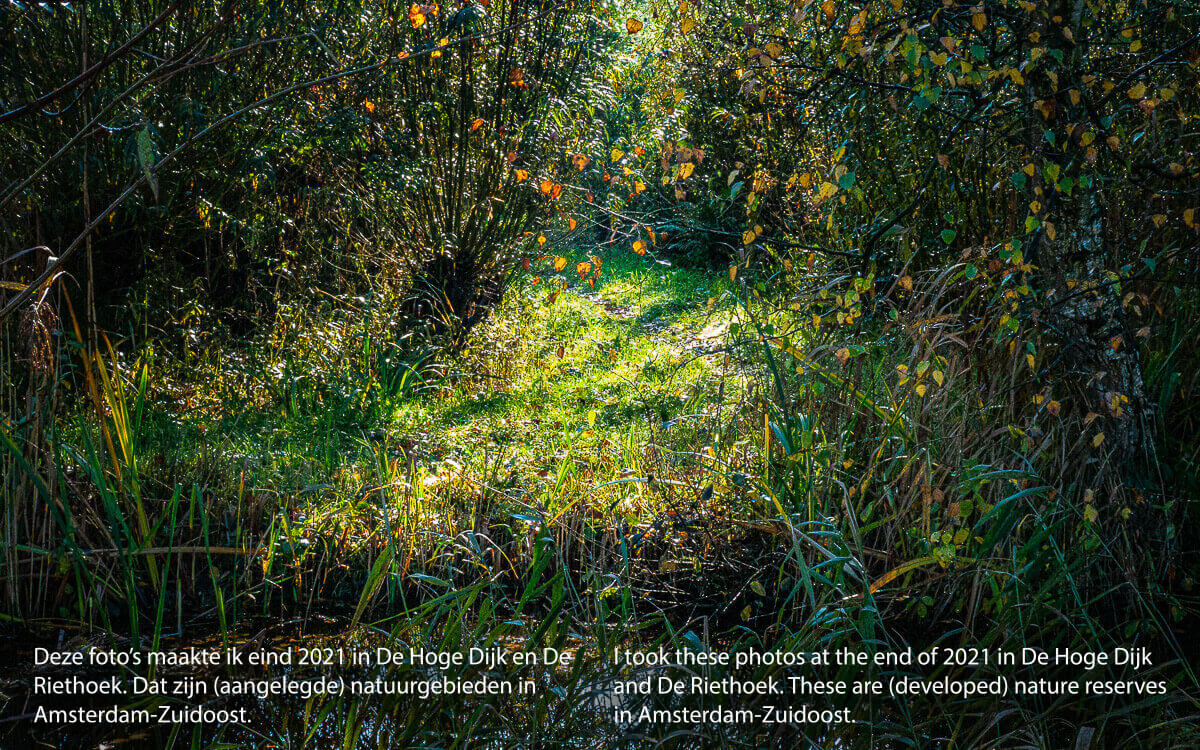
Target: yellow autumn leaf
{"x":559,"y":263}
{"x":617,"y":154}
{"x":686,"y":169}
{"x":747,"y":237}
{"x":1137,"y":91}
{"x":1096,"y":441}
{"x":827,"y":190}
{"x":978,"y":19}
{"x":687,"y":25}
{"x":632,"y":25}
{"x":639,"y":247}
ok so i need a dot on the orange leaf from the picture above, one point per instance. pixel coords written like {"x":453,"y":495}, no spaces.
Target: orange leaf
{"x":370,"y":105}
{"x":418,"y":14}
{"x":633,"y":26}
{"x":571,"y":224}
{"x":522,"y":175}
{"x":639,"y":247}
{"x":559,"y":263}
{"x":477,"y":124}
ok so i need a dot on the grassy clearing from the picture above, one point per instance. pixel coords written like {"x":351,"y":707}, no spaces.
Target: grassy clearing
{"x":321,"y":449}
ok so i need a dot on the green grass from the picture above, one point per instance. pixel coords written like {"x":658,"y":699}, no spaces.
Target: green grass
{"x":536,"y":379}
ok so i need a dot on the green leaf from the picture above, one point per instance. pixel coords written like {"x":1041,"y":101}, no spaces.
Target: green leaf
{"x":948,"y":235}
{"x":145,"y":155}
